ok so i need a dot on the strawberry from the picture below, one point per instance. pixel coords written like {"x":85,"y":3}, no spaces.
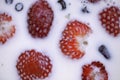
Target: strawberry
{"x":40,"y":18}
{"x":94,"y":71}
{"x":7,"y":29}
{"x":93,"y":1}
{"x":110,"y":20}
{"x":73,"y":38}
{"x":33,"y":65}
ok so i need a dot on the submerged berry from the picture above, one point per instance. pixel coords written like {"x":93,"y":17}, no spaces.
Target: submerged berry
{"x":85,"y":10}
{"x":7,"y":28}
{"x":104,"y":51}
{"x":63,"y":4}
{"x":40,"y":18}
{"x":33,"y":65}
{"x":73,"y":37}
{"x":8,"y":1}
{"x":19,"y":7}
{"x":110,"y":20}
{"x":94,"y":71}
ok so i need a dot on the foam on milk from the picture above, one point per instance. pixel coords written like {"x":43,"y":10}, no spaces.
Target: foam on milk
{"x":63,"y":67}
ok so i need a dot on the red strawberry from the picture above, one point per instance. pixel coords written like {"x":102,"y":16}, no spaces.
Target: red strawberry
{"x":40,"y":18}
{"x":33,"y":65}
{"x":7,"y":29}
{"x":93,"y":1}
{"x":94,"y":71}
{"x":73,"y":38}
{"x":110,"y":20}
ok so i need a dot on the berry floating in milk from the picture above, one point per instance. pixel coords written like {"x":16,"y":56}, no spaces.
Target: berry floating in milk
{"x":59,"y":39}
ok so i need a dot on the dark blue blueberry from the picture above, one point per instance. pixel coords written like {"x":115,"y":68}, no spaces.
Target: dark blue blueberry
{"x":85,"y":10}
{"x":104,"y":51}
{"x":19,"y":7}
{"x":8,"y":1}
{"x":63,"y":4}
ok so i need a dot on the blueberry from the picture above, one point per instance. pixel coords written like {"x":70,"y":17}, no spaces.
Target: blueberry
{"x":8,"y":1}
{"x":19,"y":7}
{"x":104,"y":51}
{"x":85,"y":10}
{"x":63,"y":4}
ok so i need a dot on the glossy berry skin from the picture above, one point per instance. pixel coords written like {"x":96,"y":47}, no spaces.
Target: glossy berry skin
{"x":94,"y":71}
{"x":110,"y":20}
{"x":7,"y":28}
{"x":33,"y":65}
{"x":40,"y":18}
{"x":72,"y":39}
{"x":104,"y":51}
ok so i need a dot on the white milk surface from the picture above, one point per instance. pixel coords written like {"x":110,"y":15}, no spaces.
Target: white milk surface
{"x":63,"y":67}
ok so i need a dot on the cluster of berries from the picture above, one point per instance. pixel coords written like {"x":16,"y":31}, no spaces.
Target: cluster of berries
{"x":34,"y":65}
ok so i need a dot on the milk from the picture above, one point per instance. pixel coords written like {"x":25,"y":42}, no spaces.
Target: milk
{"x":63,"y":67}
